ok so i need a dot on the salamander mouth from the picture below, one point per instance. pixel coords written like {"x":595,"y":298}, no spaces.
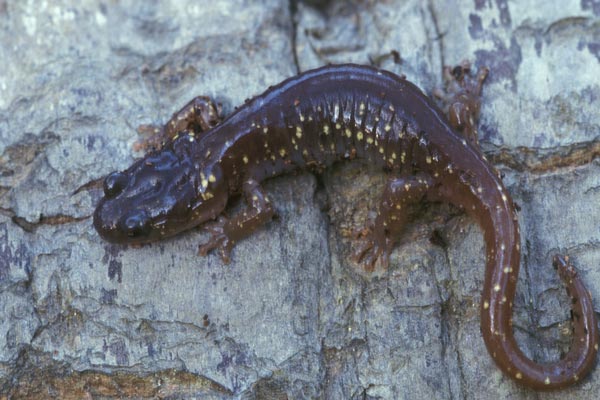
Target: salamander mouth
{"x":133,"y":227}
{"x":102,"y":225}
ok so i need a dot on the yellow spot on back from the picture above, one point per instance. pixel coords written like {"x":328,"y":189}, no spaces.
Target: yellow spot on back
{"x":387,"y":127}
{"x":370,"y":140}
{"x":348,"y":132}
{"x":519,"y":375}
{"x":359,"y":135}
{"x":282,"y":152}
{"x":338,"y":126}
{"x":298,"y":132}
{"x":211,"y":178}
{"x":428,"y":160}
{"x":245,"y":158}
{"x":547,"y":380}
{"x":497,"y":288}
{"x":326,"y":129}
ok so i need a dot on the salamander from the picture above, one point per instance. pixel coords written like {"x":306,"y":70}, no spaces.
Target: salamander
{"x":313,"y":120}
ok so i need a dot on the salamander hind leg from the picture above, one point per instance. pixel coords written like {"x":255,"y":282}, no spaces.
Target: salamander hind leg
{"x":226,"y":232}
{"x":198,"y":116}
{"x":394,"y":212}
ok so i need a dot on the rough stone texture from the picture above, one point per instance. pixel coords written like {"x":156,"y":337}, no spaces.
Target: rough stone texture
{"x":291,"y":316}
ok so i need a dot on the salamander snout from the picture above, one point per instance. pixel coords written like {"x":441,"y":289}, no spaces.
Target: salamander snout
{"x":134,"y":226}
{"x":114,"y":184}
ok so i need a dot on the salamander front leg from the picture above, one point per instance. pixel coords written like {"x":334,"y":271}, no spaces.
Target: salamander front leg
{"x":462,"y":99}
{"x":226,"y":232}
{"x":199,"y":115}
{"x":393,"y":214}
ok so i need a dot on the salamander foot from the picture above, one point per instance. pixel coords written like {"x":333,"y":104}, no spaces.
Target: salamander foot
{"x":218,"y":240}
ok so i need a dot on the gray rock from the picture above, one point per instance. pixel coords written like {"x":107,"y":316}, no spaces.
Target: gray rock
{"x":292,"y":316}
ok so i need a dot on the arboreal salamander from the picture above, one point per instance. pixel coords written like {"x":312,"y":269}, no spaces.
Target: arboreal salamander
{"x":313,"y":120}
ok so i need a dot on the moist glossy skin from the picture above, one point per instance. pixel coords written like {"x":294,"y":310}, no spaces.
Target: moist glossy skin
{"x":318,"y":118}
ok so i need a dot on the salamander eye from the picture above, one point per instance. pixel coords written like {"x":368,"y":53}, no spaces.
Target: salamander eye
{"x":114,"y":184}
{"x":136,"y":224}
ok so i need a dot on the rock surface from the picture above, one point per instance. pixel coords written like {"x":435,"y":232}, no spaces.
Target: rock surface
{"x":291,"y":316}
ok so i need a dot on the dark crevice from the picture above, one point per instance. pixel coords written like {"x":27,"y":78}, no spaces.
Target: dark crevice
{"x":535,"y":160}
{"x":439,"y":36}
{"x":530,"y":305}
{"x":30,"y":227}
{"x":93,"y":184}
{"x":446,"y":332}
{"x":293,"y":6}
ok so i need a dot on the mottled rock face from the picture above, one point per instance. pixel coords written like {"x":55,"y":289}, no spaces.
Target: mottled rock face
{"x":291,"y":315}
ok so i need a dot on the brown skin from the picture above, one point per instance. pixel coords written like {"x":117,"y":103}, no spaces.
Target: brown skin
{"x":321,"y":117}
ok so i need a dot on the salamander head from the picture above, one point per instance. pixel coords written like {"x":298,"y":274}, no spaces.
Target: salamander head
{"x":161,"y":195}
